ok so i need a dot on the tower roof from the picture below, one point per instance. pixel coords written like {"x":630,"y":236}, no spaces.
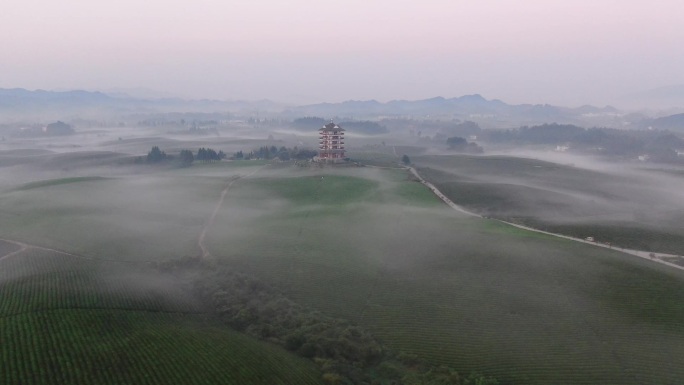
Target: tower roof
{"x":331,"y":127}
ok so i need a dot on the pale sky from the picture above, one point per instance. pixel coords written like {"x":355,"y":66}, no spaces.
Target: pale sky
{"x":567,"y":52}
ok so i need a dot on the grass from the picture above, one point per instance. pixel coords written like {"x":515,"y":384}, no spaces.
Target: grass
{"x":323,"y":189}
{"x":106,"y":317}
{"x":130,"y":219}
{"x":415,"y":193}
{"x":375,"y":155}
{"x":364,"y":244}
{"x":623,"y":210}
{"x":54,"y":182}
{"x":39,"y":280}
{"x":663,"y":239}
{"x":6,"y":248}
{"x":474,"y":294}
{"x":66,"y":320}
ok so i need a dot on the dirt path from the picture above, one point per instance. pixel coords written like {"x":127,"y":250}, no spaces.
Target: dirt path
{"x":212,"y":217}
{"x":205,"y":252}
{"x":655,"y":257}
{"x":26,"y":246}
{"x":441,"y":196}
{"x":22,"y":248}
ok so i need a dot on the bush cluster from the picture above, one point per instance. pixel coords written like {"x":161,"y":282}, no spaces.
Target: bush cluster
{"x":344,"y":352}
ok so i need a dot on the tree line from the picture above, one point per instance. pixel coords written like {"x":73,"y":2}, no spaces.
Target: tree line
{"x":185,"y":157}
{"x":660,"y":146}
{"x":207,"y":155}
{"x":283,"y":153}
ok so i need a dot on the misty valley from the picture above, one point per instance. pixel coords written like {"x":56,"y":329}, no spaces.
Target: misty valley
{"x":456,"y":241}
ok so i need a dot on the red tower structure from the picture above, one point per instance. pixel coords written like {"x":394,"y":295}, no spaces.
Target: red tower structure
{"x":331,"y":141}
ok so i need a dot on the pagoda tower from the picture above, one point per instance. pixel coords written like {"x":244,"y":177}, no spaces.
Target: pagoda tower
{"x":331,"y":142}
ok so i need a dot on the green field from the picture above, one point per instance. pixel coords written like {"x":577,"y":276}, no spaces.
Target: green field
{"x":369,"y":245}
{"x":104,"y":314}
{"x":470,"y":293}
{"x":70,"y":320}
{"x":626,"y":209}
{"x":145,"y":217}
{"x":85,"y":346}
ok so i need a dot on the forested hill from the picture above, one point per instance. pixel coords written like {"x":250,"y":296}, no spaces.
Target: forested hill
{"x":671,"y":122}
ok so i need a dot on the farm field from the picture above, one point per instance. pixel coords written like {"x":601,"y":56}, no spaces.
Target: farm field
{"x":632,"y":208}
{"x":94,"y":309}
{"x":366,"y":244}
{"x":69,"y":320}
{"x":112,"y":346}
{"x":155,"y":215}
{"x":471,"y":293}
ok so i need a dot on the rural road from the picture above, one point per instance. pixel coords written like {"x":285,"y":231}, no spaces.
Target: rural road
{"x":638,"y":253}
{"x":212,"y":217}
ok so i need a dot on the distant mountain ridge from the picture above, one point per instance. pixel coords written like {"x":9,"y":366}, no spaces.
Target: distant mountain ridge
{"x":64,"y":104}
{"x":467,"y":107}
{"x":19,"y":97}
{"x":19,"y":102}
{"x":672,"y":122}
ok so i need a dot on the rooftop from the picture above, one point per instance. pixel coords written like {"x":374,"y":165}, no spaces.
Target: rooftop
{"x":331,"y":127}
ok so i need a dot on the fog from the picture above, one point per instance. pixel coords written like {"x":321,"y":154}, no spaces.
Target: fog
{"x":130,"y":253}
{"x":272,"y":248}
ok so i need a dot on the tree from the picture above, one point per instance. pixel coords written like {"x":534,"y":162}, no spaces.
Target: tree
{"x":406,"y":160}
{"x":212,"y":155}
{"x":201,"y":154}
{"x":59,"y":128}
{"x":156,"y":155}
{"x":186,"y":158}
{"x":457,"y":143}
{"x":283,"y":155}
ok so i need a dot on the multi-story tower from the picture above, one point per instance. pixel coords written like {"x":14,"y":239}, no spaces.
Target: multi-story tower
{"x":331,"y":141}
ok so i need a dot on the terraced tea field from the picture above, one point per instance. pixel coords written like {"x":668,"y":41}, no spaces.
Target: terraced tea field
{"x":366,"y":244}
{"x":95,"y":311}
{"x":630,"y":208}
{"x":471,"y":293}
{"x":85,"y":346}
{"x":39,"y":280}
{"x":70,"y":320}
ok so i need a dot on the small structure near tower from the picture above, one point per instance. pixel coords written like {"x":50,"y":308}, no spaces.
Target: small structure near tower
{"x":331,"y":142}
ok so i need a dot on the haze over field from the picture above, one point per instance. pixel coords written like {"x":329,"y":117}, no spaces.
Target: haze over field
{"x":337,"y":193}
{"x":301,"y":51}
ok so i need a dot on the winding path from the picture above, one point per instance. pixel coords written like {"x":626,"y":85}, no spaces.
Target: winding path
{"x":25,"y":246}
{"x":22,"y":248}
{"x":205,"y":252}
{"x":639,"y":253}
{"x":212,"y":217}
